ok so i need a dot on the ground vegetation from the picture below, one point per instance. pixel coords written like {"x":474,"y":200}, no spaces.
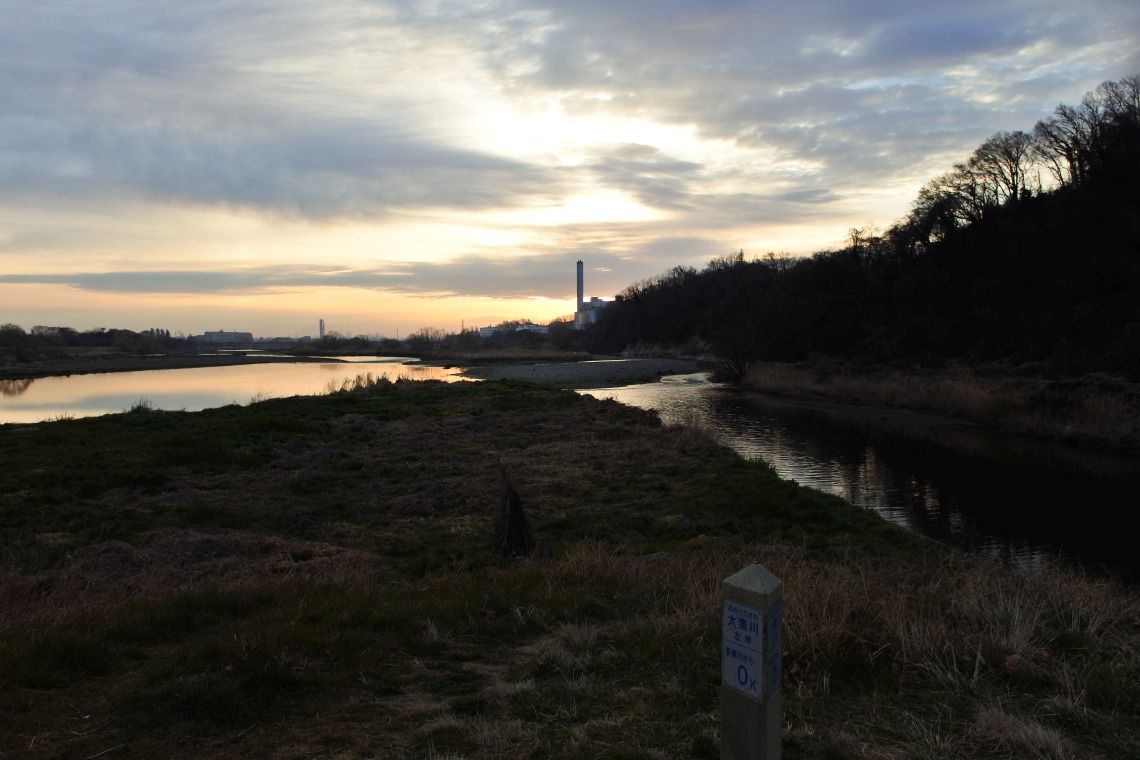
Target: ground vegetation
{"x":318,"y":577}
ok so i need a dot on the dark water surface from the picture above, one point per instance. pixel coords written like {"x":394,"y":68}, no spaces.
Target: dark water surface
{"x":1018,"y":501}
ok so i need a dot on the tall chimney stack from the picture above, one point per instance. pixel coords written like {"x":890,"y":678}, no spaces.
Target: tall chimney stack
{"x":578,"y":310}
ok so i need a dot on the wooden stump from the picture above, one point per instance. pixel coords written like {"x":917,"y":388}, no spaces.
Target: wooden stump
{"x":512,"y":531}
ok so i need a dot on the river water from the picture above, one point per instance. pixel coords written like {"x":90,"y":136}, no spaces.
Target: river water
{"x":1021,"y":502}
{"x":196,"y":388}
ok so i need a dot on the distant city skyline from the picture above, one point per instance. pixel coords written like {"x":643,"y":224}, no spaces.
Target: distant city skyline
{"x":387,"y":166}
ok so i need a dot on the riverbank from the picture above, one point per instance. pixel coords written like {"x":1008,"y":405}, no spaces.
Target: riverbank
{"x":314,"y":576}
{"x":562,"y":369}
{"x":1095,"y":410}
{"x":96,"y":362}
{"x":594,"y":373}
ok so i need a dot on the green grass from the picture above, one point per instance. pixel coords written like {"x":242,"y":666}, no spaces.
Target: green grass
{"x":313,"y":577}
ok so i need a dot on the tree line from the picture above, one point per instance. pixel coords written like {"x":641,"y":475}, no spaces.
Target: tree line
{"x":42,"y":341}
{"x":510,"y":335}
{"x":1027,"y":252}
{"x":18,"y":346}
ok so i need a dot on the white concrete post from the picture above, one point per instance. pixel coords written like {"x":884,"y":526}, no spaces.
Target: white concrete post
{"x":751,"y":703}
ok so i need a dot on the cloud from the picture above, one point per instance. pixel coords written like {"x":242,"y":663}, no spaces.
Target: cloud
{"x":328,"y":111}
{"x":160,"y":107}
{"x":647,"y":174}
{"x":320,"y":168}
{"x":547,"y":276}
{"x":373,"y":111}
{"x":840,"y":86}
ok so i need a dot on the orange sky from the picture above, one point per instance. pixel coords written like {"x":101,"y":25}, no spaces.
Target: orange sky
{"x":387,"y":167}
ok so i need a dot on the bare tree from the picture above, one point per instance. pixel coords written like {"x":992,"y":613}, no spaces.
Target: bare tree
{"x":1058,"y":144}
{"x":1120,"y":101}
{"x":426,"y":339}
{"x":1003,"y":162}
{"x":1077,"y":142}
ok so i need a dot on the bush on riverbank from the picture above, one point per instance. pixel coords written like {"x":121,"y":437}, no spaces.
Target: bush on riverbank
{"x":312,"y":576}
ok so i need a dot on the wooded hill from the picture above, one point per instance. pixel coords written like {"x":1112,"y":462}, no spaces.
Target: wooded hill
{"x":1028,"y":252}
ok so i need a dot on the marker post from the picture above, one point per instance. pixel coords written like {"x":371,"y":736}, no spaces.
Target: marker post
{"x":751,"y":703}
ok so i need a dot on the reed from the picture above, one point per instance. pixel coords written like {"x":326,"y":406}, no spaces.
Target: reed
{"x":365,"y":383}
{"x":1097,"y":407}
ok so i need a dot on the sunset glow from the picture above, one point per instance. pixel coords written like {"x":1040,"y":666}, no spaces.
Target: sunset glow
{"x":386,"y":167}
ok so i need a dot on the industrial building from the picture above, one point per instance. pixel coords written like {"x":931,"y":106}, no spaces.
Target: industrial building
{"x":224,"y":337}
{"x":588,"y":311}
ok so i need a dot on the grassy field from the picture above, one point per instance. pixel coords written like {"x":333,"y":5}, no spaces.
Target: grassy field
{"x":314,"y":577}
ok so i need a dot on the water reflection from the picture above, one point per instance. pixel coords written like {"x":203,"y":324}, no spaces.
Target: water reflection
{"x":199,"y":387}
{"x":15,"y":387}
{"x":1016,"y":501}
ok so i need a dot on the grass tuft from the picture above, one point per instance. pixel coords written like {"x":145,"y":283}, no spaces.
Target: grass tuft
{"x":1020,"y":737}
{"x":141,"y":406}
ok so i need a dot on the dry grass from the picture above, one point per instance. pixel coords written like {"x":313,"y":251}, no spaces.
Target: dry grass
{"x":356,"y":612}
{"x":359,"y":384}
{"x":691,"y":431}
{"x":939,"y":656}
{"x":1020,"y":737}
{"x":943,"y":656}
{"x":103,"y":575}
{"x":1095,"y":408}
{"x":693,"y":348}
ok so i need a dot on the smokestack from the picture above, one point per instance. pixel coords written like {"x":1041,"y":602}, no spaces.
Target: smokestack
{"x":578,"y":310}
{"x":580,"y":288}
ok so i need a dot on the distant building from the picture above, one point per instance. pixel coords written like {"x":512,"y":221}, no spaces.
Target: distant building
{"x":587,"y":312}
{"x":321,"y":329}
{"x":280,"y":341}
{"x":224,"y":337}
{"x":488,"y":332}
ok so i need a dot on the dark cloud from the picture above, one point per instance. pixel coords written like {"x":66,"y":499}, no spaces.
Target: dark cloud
{"x":549,"y":275}
{"x":647,"y":174}
{"x":795,"y":204}
{"x":321,"y":168}
{"x":947,"y":39}
{"x":174,"y":106}
{"x":689,"y":250}
{"x":185,"y":281}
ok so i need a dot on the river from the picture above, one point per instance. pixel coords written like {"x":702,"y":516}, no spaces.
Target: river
{"x":1019,"y":501}
{"x":1016,"y":500}
{"x":196,"y":388}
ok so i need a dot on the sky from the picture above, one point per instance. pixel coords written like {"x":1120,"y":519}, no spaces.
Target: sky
{"x":386,"y":166}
